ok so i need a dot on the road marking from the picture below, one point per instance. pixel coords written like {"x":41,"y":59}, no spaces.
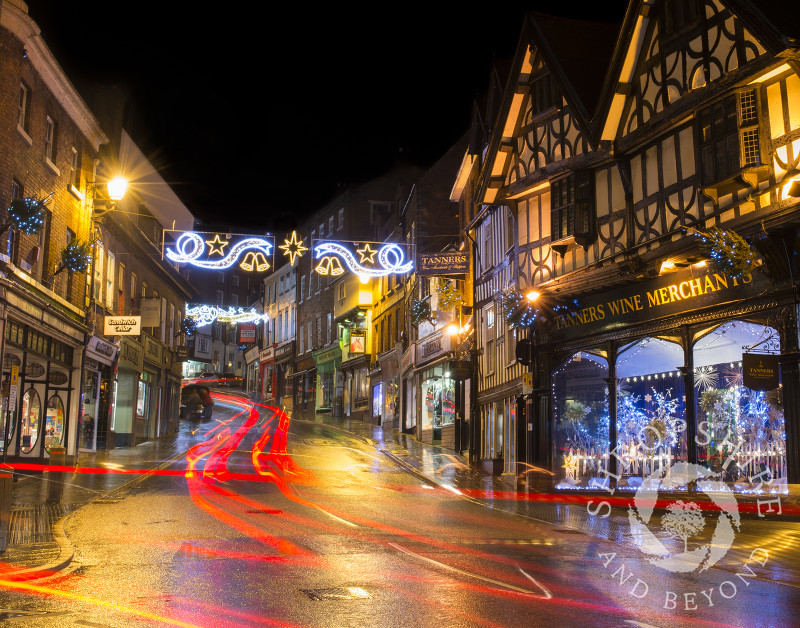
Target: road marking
{"x":547,"y":595}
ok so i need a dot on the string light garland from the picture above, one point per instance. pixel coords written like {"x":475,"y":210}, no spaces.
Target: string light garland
{"x":449,"y":295}
{"x":189,"y":326}
{"x":391,"y":259}
{"x":207,"y":314}
{"x":26,"y":214}
{"x":75,"y":257}
{"x":190,"y":248}
{"x":728,"y":251}
{"x":420,"y":311}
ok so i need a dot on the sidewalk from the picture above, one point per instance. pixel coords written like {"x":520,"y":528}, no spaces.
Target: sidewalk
{"x":37,"y":544}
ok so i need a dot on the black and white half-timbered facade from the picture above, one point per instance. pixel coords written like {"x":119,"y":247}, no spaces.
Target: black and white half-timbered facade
{"x":654,"y":205}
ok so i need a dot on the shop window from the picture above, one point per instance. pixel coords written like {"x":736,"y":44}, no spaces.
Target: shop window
{"x":580,"y":408}
{"x":736,"y":422}
{"x":31,"y":413}
{"x":54,"y":422}
{"x":438,"y":399}
{"x":651,"y":409}
{"x":8,"y":411}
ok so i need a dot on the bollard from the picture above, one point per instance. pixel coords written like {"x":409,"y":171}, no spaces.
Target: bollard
{"x":55,"y":479}
{"x":6,"y":482}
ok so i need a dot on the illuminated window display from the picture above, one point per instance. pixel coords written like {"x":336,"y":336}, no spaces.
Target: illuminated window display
{"x":580,"y":398}
{"x":651,"y":409}
{"x":8,"y":413}
{"x":54,"y":422}
{"x":734,"y":420}
{"x":438,"y":398}
{"x":31,"y":413}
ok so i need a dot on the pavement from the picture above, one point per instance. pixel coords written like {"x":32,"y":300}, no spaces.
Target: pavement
{"x":37,"y":546}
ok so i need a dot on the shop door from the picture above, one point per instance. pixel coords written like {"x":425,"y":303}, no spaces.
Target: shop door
{"x":91,"y":405}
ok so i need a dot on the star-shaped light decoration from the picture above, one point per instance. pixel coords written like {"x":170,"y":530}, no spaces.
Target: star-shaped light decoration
{"x":367,"y":254}
{"x":293,"y":248}
{"x":216,"y":245}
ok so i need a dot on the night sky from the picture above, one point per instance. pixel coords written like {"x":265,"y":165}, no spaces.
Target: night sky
{"x":255,"y":114}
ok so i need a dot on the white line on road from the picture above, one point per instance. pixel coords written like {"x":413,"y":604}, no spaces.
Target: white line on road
{"x":547,"y":595}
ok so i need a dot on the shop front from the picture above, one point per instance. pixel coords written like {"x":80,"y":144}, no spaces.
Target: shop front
{"x":435,"y":391}
{"x":328,"y":362}
{"x":284,"y":396}
{"x":252,"y":380}
{"x":303,"y":382}
{"x":132,"y":392}
{"x":266,"y":365}
{"x":96,"y":425}
{"x":390,"y":387}
{"x":662,"y":372}
{"x":40,"y":384}
{"x":408,"y":396}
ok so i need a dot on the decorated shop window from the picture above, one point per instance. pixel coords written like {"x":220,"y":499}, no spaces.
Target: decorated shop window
{"x":651,"y":410}
{"x":54,"y":422}
{"x":580,"y":404}
{"x":740,"y":417}
{"x":8,"y":411}
{"x":31,"y":413}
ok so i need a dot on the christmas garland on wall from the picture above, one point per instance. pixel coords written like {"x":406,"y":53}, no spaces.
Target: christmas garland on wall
{"x":449,"y":295}
{"x":420,"y":311}
{"x":729,"y":252}
{"x":25,"y":214}
{"x":518,"y":310}
{"x":75,"y":257}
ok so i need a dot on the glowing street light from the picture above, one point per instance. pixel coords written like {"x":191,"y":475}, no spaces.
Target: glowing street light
{"x":117,"y":188}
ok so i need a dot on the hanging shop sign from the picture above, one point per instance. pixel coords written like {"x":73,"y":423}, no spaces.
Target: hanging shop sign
{"x":182,"y":353}
{"x":671,"y":294}
{"x":207,"y":314}
{"x":358,"y":341}
{"x":218,"y":251}
{"x":122,"y":326}
{"x":247,"y":333}
{"x":101,"y":350}
{"x":151,"y":312}
{"x":450,"y":263}
{"x":366,"y":259}
{"x":760,"y":371}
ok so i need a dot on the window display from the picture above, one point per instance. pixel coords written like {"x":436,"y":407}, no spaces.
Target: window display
{"x":31,"y":413}
{"x":54,"y":422}
{"x":438,"y":398}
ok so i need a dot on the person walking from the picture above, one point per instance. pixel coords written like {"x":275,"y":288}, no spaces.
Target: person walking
{"x":207,"y":401}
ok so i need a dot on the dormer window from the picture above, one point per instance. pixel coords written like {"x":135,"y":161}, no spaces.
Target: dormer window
{"x":730,"y":147}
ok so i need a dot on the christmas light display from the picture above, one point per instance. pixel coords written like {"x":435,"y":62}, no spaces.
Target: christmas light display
{"x":729,"y":252}
{"x":189,"y":326}
{"x":190,"y":248}
{"x":26,"y":214}
{"x":391,"y":260}
{"x":449,"y":295}
{"x":293,"y":247}
{"x":207,"y":314}
{"x":75,"y":257}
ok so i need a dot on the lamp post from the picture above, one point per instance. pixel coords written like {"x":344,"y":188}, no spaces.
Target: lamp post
{"x":115,"y":188}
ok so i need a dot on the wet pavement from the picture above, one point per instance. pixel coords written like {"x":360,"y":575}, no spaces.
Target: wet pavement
{"x":37,"y":545}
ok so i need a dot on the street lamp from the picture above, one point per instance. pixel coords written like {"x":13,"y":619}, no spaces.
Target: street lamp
{"x":117,"y":188}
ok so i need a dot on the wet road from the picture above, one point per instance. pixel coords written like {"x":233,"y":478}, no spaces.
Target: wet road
{"x":279,"y":523}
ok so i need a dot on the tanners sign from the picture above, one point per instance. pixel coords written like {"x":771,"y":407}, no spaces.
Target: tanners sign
{"x":451,"y":263}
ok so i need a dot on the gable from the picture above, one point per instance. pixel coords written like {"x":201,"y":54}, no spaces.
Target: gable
{"x":670,"y":56}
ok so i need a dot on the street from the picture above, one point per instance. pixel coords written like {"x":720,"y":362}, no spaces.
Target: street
{"x":274,"y":522}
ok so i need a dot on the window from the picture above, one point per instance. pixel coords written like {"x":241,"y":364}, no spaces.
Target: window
{"x":70,"y":238}
{"x":235,"y":300}
{"x":220,"y":297}
{"x":678,"y":15}
{"x":342,"y":293}
{"x":300,"y":344}
{"x":509,"y":228}
{"x":308,"y":336}
{"x":220,"y":276}
{"x":572,"y":208}
{"x":23,"y":107}
{"x":488,"y":339}
{"x":235,"y":281}
{"x":121,"y":289}
{"x":729,"y":139}
{"x":319,"y":331}
{"x":341,"y":219}
{"x":322,"y":230}
{"x":50,"y":140}
{"x":110,"y":270}
{"x":133,"y":292}
{"x":329,"y":328}
{"x":302,"y":287}
{"x":544,"y":94}
{"x":75,"y":169}
{"x":98,"y":272}
{"x":488,"y":249}
{"x":330,"y":225}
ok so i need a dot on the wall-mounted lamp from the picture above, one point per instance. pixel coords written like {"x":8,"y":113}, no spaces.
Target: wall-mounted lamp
{"x":533,"y":295}
{"x":794,"y":188}
{"x":117,"y":188}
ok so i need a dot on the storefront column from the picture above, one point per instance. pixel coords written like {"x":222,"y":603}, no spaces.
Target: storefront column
{"x":611,"y":380}
{"x":790,"y":376}
{"x":689,"y":391}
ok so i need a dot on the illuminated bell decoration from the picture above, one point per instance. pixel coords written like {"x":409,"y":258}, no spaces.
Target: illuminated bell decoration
{"x":207,"y":314}
{"x":190,"y":248}
{"x":391,"y":259}
{"x":330,"y":266}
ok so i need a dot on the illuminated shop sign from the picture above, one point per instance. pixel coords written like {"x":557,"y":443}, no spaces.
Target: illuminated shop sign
{"x":450,"y":263}
{"x":366,"y":259}
{"x":668,"y":295}
{"x":207,"y":314}
{"x":122,"y":325}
